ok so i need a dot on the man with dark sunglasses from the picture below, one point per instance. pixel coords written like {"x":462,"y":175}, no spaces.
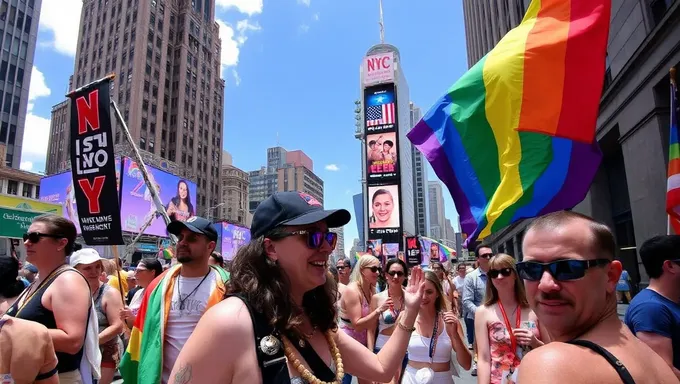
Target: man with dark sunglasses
{"x":474,"y":289}
{"x":654,"y":314}
{"x":570,"y":277}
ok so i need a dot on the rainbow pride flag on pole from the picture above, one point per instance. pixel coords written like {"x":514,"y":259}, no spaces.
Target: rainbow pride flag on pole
{"x":673,"y":188}
{"x":513,"y":138}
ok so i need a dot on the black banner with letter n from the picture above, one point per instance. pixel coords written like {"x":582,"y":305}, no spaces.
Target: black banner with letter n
{"x":93,"y":164}
{"x":413,"y":251}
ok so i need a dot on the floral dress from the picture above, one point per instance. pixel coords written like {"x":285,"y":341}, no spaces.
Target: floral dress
{"x":504,"y":360}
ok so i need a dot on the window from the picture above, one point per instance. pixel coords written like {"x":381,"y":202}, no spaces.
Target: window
{"x":12,"y":187}
{"x":26,"y":190}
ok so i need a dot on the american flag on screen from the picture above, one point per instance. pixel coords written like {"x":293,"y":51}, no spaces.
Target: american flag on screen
{"x":380,"y":115}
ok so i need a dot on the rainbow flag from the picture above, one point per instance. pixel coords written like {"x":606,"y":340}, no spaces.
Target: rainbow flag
{"x":673,"y":187}
{"x":513,"y":138}
{"x":445,"y":253}
{"x":148,"y":333}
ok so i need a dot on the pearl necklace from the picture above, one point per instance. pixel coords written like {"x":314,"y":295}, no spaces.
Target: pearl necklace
{"x":304,"y":372}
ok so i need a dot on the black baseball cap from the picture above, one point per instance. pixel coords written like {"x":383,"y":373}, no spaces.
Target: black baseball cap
{"x":195,"y":224}
{"x":294,"y":208}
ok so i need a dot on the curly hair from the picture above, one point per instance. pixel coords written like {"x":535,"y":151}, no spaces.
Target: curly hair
{"x":260,"y":281}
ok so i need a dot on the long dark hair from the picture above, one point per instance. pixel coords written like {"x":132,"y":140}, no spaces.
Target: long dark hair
{"x":10,"y":285}
{"x":177,"y":200}
{"x":261,"y":282}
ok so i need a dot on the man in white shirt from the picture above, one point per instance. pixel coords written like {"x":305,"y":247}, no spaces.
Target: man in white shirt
{"x":192,"y":286}
{"x":458,"y":281}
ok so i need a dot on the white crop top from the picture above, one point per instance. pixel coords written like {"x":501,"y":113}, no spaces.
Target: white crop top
{"x":419,"y":348}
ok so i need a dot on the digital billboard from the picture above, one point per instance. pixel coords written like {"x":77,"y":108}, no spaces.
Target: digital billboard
{"x":378,"y":68}
{"x":232,"y":237}
{"x":58,"y":189}
{"x":381,"y":156}
{"x":380,"y":106}
{"x":383,"y":209}
{"x":137,"y":207}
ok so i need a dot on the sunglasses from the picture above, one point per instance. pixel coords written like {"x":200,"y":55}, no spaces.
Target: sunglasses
{"x":562,"y":270}
{"x":494,"y":273}
{"x":486,"y":256}
{"x":373,"y":269}
{"x":315,"y":238}
{"x":35,"y":237}
{"x":396,"y":273}
{"x":340,"y":268}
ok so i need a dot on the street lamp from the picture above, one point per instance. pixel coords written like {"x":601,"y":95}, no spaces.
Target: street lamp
{"x":210,"y":210}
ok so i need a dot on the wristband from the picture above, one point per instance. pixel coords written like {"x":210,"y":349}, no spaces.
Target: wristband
{"x":405,"y":328}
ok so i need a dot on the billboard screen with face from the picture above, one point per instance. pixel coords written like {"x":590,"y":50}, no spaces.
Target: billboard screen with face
{"x":383,"y":209}
{"x":232,"y":237}
{"x":177,"y":195}
{"x":381,"y":156}
{"x":58,"y":189}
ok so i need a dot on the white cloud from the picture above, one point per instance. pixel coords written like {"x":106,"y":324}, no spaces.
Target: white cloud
{"x":26,"y":165}
{"x":62,"y":19}
{"x":232,"y":41}
{"x":332,"y":167}
{"x":315,"y":17}
{"x":304,"y":2}
{"x":304,"y":28}
{"x":37,"y":129}
{"x":249,"y":7}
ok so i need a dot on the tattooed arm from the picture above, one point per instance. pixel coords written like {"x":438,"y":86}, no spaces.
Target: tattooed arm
{"x":220,"y":350}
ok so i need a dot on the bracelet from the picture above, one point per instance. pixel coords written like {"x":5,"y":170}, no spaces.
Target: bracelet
{"x":405,"y":328}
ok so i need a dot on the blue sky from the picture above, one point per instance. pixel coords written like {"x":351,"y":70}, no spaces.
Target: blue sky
{"x":292,"y":71}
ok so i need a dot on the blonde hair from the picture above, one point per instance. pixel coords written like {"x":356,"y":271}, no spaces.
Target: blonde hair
{"x":364,"y":261}
{"x":501,"y":261}
{"x":441,"y":303}
{"x":109,"y":267}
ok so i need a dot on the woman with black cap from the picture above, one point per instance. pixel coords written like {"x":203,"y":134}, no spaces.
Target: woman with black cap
{"x":281,"y":308}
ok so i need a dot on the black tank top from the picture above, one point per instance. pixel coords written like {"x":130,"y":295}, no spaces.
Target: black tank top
{"x":33,"y":310}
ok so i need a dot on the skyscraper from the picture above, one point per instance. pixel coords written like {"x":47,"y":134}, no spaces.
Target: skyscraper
{"x":285,"y":171}
{"x":420,"y":186}
{"x":339,"y":250}
{"x":235,"y":184}
{"x":486,"y":22}
{"x":437,"y":212}
{"x":166,"y":55}
{"x":18,"y":35}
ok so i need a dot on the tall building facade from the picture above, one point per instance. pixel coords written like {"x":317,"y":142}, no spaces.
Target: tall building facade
{"x":166,"y":57}
{"x":486,"y":22}
{"x":387,"y":154}
{"x":285,"y":171}
{"x":293,"y":177}
{"x":339,"y":251}
{"x":628,"y":192}
{"x":359,"y":201}
{"x":420,"y":185}
{"x":18,"y":36}
{"x":235,"y":183}
{"x":437,"y":210}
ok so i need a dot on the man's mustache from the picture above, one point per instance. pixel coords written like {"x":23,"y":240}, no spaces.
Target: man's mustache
{"x":552,"y":296}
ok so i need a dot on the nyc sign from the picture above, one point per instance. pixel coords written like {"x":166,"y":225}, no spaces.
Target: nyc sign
{"x":378,"y":69}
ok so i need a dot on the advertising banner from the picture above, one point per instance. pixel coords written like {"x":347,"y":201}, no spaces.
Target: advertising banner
{"x":382,"y":156}
{"x":15,"y":222}
{"x":413,"y":252}
{"x":177,"y":195}
{"x":383,"y":209}
{"x":435,"y":251}
{"x":93,"y":165}
{"x":378,"y":68}
{"x":9,"y":201}
{"x":380,"y":106}
{"x":58,"y":189}
{"x":232,"y":237}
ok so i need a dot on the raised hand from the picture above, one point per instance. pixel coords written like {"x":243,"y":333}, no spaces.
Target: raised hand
{"x":450,"y":319}
{"x":413,"y":295}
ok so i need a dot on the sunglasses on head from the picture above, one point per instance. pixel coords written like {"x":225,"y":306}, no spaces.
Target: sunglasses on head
{"x":396,"y":273}
{"x":35,"y":237}
{"x":494,"y":273}
{"x":373,"y":269}
{"x":486,"y":256}
{"x":562,"y":270}
{"x":315,"y":238}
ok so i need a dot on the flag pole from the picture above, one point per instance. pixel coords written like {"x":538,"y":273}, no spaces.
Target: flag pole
{"x":142,"y":167}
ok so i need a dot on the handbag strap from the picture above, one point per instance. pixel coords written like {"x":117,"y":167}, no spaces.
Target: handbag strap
{"x":273,"y":367}
{"x":621,"y":370}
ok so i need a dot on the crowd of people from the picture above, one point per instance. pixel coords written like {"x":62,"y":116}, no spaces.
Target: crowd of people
{"x":283,"y":314}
